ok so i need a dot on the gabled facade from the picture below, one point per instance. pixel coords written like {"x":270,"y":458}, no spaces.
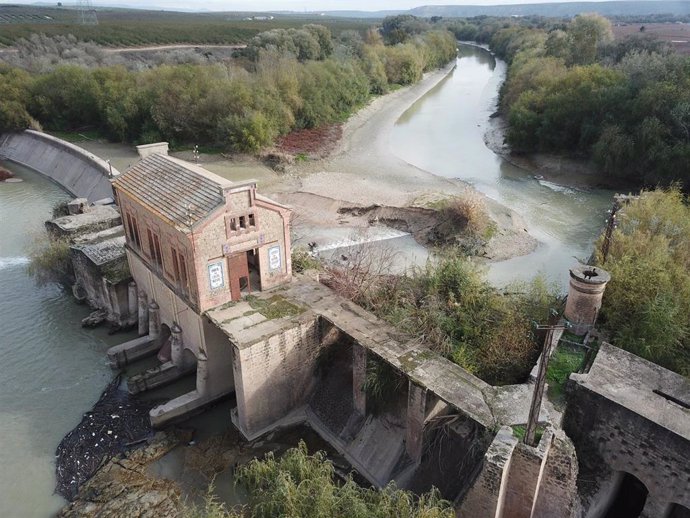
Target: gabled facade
{"x":207,"y":238}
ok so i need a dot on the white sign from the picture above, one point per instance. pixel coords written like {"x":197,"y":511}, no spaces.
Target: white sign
{"x":215,"y":275}
{"x":274,"y":260}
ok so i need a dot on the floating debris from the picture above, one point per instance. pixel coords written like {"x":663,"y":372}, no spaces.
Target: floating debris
{"x":116,"y":423}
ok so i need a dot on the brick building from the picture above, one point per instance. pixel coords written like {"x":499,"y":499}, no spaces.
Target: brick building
{"x":195,"y":241}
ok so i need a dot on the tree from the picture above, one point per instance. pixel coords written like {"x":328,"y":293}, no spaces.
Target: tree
{"x":585,"y":34}
{"x":646,"y":306}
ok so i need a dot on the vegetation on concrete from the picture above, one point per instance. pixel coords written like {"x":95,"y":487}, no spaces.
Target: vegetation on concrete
{"x":382,"y":384}
{"x":49,"y":260}
{"x":274,"y":307}
{"x":565,"y":360}
{"x":451,"y":307}
{"x":302,"y":261}
{"x":519,"y":431}
{"x":572,"y":89}
{"x":287,"y":79}
{"x":646,"y":306}
{"x":301,"y":485}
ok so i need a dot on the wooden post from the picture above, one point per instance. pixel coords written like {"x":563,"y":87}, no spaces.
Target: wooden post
{"x":538,"y":394}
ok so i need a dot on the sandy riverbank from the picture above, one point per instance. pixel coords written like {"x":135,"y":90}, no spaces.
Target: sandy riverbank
{"x":362,"y":170}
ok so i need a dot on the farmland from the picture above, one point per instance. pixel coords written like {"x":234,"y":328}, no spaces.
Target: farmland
{"x":127,"y":27}
{"x":676,"y":34}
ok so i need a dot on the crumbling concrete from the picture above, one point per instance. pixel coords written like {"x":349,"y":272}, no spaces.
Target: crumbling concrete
{"x":97,"y":218}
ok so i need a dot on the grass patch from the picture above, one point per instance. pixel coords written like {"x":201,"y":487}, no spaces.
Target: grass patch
{"x":564,"y":361}
{"x":274,"y":307}
{"x":519,"y":431}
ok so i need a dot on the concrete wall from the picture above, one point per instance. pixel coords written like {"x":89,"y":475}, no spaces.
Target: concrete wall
{"x":611,"y":439}
{"x":275,"y":375}
{"x":519,"y":481}
{"x":172,"y":308}
{"x":101,"y":293}
{"x":82,"y":173}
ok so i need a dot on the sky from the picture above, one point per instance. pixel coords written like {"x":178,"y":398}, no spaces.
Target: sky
{"x":292,"y":5}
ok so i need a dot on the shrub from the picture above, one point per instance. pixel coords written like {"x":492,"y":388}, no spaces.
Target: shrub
{"x":49,"y":261}
{"x":646,"y":306}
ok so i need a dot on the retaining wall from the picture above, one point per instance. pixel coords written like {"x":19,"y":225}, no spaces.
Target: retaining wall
{"x":82,"y":173}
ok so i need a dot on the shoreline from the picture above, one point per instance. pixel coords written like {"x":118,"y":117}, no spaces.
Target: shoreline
{"x":362,"y":170}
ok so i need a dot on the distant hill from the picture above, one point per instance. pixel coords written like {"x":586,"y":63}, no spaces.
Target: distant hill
{"x":615,"y":8}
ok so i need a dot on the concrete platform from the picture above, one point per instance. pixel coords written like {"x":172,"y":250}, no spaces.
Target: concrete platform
{"x":128,"y":352}
{"x":157,"y":377}
{"x":182,"y":407}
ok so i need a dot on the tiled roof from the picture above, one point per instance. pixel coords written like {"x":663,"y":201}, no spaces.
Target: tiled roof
{"x":173,"y":189}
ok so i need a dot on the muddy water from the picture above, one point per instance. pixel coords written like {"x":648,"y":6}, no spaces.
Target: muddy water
{"x":444,"y":133}
{"x":51,"y":370}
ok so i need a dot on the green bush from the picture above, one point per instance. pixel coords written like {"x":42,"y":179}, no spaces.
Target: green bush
{"x":646,"y":306}
{"x":304,"y":486}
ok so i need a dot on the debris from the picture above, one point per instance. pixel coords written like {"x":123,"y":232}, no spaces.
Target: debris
{"x":83,"y":451}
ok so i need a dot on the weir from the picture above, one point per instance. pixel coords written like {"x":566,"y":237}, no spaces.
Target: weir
{"x":81,"y":173}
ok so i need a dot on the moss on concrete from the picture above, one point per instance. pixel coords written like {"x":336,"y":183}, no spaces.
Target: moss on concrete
{"x":274,"y":307}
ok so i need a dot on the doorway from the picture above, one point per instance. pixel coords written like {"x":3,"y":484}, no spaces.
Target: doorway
{"x":239,"y":275}
{"x":628,"y":499}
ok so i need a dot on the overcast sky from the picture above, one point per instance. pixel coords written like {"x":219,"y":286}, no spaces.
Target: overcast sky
{"x":292,"y":5}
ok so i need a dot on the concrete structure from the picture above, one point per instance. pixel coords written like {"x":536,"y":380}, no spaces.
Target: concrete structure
{"x":301,"y":354}
{"x":102,"y":276}
{"x":519,"y":481}
{"x":630,"y":422}
{"x":194,"y":242}
{"x":587,"y":285}
{"x":157,"y":148}
{"x":81,"y":173}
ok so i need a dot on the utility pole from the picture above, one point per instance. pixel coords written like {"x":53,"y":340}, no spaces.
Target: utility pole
{"x":538,"y":394}
{"x":87,"y":14}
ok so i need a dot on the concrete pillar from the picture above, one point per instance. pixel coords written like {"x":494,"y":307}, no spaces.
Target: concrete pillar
{"x":654,"y":508}
{"x":143,"y":313}
{"x":416,"y":413}
{"x":587,"y":285}
{"x":359,"y":376}
{"x":132,"y":303}
{"x":202,"y":373}
{"x":154,"y":321}
{"x":176,"y":345}
{"x":115,"y":312}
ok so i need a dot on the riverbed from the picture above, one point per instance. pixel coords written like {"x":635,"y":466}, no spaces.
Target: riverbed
{"x":443,"y":133}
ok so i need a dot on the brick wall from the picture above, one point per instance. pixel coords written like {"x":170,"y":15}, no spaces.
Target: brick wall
{"x":275,"y":375}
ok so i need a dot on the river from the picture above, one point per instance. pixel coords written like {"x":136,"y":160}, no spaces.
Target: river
{"x":443,"y":133}
{"x":51,"y":370}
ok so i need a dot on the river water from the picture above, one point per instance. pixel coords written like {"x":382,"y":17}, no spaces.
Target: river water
{"x":51,"y":370}
{"x":443,"y":133}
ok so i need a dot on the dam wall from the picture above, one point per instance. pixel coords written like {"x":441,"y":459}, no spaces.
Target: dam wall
{"x":81,"y":173}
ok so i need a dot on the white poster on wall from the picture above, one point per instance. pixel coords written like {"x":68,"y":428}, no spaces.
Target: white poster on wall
{"x":215,"y":275}
{"x":274,"y":259}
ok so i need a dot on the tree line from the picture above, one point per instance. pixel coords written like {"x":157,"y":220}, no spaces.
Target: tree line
{"x":286,"y":79}
{"x":572,"y":89}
